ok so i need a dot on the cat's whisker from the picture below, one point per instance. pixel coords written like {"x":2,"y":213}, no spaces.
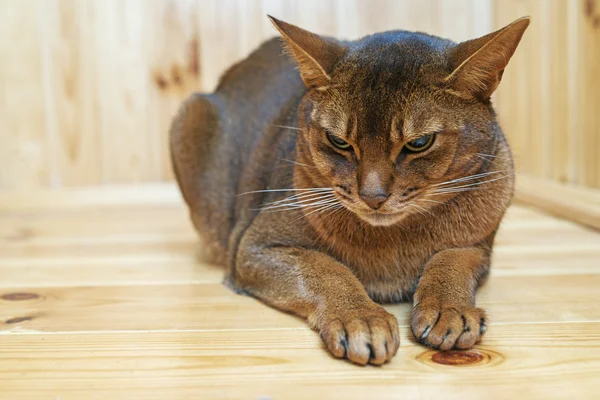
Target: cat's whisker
{"x":422,"y":208}
{"x":431,"y":201}
{"x":331,"y":213}
{"x":294,"y":128}
{"x":479,"y":183}
{"x":468,"y":178}
{"x":297,"y":163}
{"x":417,"y":208}
{"x":302,"y":204}
{"x":323,"y":208}
{"x":301,"y":200}
{"x":482,"y":155}
{"x":454,"y":189}
{"x":320,"y":209}
{"x":301,"y":196}
{"x":292,"y":209}
{"x":287,"y":190}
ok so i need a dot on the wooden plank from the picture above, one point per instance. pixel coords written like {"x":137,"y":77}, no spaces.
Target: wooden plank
{"x":212,"y":306}
{"x":558,"y":156}
{"x":587,"y":160}
{"x":102,"y":300}
{"x":24,"y":143}
{"x":574,"y":203}
{"x":71,"y":91}
{"x":148,"y":259}
{"x":536,"y":361}
{"x":91,"y":196}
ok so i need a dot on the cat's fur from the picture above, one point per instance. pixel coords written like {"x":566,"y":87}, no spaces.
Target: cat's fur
{"x":264,"y":129}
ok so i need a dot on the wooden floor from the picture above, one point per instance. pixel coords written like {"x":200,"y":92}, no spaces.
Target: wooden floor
{"x":102,"y":296}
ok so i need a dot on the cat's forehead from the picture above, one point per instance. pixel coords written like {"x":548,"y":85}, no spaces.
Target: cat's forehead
{"x":394,"y":54}
{"x":385,"y":84}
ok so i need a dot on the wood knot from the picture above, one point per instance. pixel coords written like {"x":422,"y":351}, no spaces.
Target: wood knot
{"x":590,"y":11}
{"x":16,"y":320}
{"x":176,"y":76}
{"x":160,"y":82}
{"x":19,"y":296}
{"x":456,"y":357}
{"x":194,"y":57}
{"x":461,"y":358}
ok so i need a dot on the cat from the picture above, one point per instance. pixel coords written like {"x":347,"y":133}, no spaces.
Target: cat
{"x":350,"y":173}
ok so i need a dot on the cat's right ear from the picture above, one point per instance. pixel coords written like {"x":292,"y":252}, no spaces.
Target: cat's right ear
{"x":479,"y":64}
{"x":316,"y":56}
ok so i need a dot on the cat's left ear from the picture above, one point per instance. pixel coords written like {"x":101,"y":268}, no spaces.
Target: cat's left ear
{"x":316,"y":55}
{"x":478,"y":64}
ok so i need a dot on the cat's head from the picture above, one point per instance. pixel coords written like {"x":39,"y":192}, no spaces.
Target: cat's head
{"x":391,"y":121}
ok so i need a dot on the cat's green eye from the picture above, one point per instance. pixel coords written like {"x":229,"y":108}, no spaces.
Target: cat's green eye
{"x":420,"y":144}
{"x":337,"y":142}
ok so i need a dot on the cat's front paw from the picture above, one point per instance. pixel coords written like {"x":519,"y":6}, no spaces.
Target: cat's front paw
{"x":366,"y":336}
{"x":446,"y":326}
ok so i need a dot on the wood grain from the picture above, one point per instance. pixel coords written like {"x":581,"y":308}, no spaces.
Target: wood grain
{"x":535,"y":360}
{"x":91,"y":87}
{"x":566,"y":201}
{"x":550,"y":90}
{"x":23,"y":142}
{"x":101,"y":300}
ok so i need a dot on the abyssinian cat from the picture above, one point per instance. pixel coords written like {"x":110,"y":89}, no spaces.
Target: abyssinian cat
{"x":349,"y":174}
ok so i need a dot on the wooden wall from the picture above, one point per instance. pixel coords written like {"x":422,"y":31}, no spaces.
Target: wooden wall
{"x":89,"y":86}
{"x":549,"y":99}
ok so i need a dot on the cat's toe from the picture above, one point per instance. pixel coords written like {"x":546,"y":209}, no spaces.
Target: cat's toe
{"x":447,"y":327}
{"x":372,"y":338}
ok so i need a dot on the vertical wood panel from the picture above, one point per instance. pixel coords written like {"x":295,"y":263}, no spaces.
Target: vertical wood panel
{"x":549,"y":98}
{"x":557,"y":92}
{"x":172,"y":33}
{"x":588,"y":110}
{"x":116,"y":72}
{"x":23,"y":142}
{"x":70,"y":91}
{"x":89,"y":87}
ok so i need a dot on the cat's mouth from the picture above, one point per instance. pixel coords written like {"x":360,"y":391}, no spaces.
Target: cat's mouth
{"x":373,"y":217}
{"x":382,"y":219}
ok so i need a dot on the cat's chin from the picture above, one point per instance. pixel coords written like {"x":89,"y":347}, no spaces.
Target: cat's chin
{"x":380,"y":219}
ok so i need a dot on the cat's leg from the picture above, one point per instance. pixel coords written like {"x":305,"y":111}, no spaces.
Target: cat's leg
{"x":313,"y":285}
{"x":202,"y":179}
{"x":191,"y":141}
{"x":444,"y":314}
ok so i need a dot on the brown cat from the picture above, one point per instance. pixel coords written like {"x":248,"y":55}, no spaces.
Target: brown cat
{"x":375,"y":173}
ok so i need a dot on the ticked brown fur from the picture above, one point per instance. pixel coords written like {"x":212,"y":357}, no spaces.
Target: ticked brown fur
{"x":386,"y":224}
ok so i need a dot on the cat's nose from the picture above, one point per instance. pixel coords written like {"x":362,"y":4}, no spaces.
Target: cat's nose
{"x":374,"y":200}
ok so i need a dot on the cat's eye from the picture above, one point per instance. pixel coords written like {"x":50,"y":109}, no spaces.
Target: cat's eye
{"x":420,"y":144}
{"x":337,"y":142}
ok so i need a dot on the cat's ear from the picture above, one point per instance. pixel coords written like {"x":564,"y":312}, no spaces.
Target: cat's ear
{"x":315,"y":55}
{"x":478,"y":64}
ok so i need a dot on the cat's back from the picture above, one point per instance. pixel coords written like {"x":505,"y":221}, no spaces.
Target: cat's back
{"x":222,"y":142}
{"x":265,"y":76}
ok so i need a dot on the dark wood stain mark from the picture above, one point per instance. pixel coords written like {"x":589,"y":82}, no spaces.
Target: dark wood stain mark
{"x":194,"y":57}
{"x":589,"y":7}
{"x":590,"y":11}
{"x":176,"y":75}
{"x":20,"y":296}
{"x":160,"y":81}
{"x":457,"y":357}
{"x":16,"y":320}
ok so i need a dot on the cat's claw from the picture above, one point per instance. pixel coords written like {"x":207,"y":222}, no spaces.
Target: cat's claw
{"x":447,"y":327}
{"x":369,"y":337}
